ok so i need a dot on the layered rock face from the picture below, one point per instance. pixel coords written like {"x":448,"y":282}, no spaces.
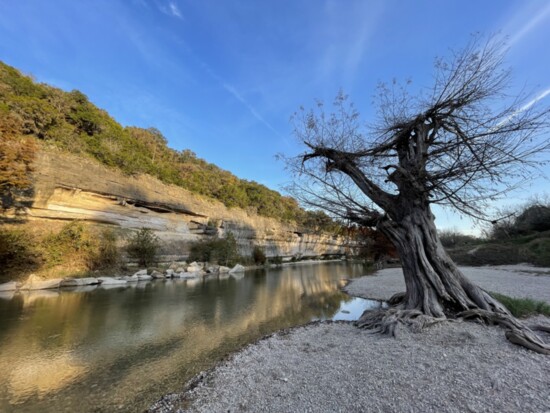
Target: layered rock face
{"x":67,"y":187}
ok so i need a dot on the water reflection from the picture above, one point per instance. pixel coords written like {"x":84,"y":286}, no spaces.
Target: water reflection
{"x":120,"y":349}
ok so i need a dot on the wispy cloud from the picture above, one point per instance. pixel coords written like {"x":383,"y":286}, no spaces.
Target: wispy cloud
{"x":536,"y":17}
{"x":525,"y":107}
{"x":345,"y":49}
{"x":539,"y":97}
{"x":174,"y":10}
{"x":171,"y":9}
{"x":237,"y":95}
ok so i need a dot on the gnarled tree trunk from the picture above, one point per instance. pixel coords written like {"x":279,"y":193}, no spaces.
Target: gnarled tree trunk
{"x":434,"y":284}
{"x":435,"y":288}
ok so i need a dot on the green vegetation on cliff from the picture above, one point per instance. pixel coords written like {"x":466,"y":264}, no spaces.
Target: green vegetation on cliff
{"x":68,"y":120}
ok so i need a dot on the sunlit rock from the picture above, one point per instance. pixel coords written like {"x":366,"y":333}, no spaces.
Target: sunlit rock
{"x":141,"y":272}
{"x":76,"y":282}
{"x":36,"y":283}
{"x":236,"y":269}
{"x":9,"y":286}
{"x":111,"y":281}
{"x":187,"y":275}
{"x":157,"y":275}
{"x":194,"y":267}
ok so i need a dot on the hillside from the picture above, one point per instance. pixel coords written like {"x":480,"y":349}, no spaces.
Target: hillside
{"x":524,"y":237}
{"x":68,"y":120}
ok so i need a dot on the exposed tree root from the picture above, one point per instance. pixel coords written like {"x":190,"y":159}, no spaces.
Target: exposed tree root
{"x":388,"y":321}
{"x":517,"y":332}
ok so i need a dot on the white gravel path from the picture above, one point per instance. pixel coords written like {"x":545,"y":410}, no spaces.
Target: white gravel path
{"x":521,"y":281}
{"x":334,"y":367}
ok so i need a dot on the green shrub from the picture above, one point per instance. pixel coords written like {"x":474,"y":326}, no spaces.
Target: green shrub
{"x":106,"y":253}
{"x":17,"y":253}
{"x":523,"y":307}
{"x":221,"y":251}
{"x":277,"y":260}
{"x":72,"y":242}
{"x":258,"y":255}
{"x":144,"y":246}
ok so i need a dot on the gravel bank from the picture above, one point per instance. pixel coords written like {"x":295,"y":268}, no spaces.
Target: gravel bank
{"x":334,"y":367}
{"x":520,"y":281}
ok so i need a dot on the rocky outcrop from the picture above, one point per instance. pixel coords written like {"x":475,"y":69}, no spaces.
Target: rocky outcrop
{"x":78,"y":282}
{"x":37,"y":283}
{"x":68,"y":187}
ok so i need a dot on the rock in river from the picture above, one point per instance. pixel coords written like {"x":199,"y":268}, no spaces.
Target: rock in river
{"x":110,"y":281}
{"x":9,"y":286}
{"x":237,"y":268}
{"x":77,"y":282}
{"x":36,"y":283}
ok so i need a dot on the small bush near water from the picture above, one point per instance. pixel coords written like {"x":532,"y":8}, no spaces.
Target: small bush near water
{"x":74,"y":249}
{"x":223,"y":251}
{"x":258,"y":256}
{"x":18,"y":253}
{"x":144,"y":246}
{"x":107,"y":254}
{"x":523,"y":307}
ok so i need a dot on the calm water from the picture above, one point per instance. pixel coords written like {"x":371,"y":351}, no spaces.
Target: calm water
{"x":120,"y":349}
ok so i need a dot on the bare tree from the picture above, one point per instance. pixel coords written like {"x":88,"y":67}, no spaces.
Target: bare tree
{"x":459,"y":144}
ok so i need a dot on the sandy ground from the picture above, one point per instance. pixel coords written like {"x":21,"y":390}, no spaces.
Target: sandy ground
{"x":334,"y":367}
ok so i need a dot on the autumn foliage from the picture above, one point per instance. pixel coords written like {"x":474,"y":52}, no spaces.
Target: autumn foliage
{"x":16,"y":156}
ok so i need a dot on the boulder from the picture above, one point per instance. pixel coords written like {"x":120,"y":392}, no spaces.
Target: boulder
{"x":144,"y":277}
{"x":214,"y":269}
{"x":157,"y":275}
{"x":77,"y":282}
{"x":223,"y":269}
{"x":237,"y":269}
{"x":141,"y":272}
{"x":36,"y":283}
{"x":9,"y":286}
{"x":130,"y":278}
{"x":188,"y":275}
{"x":111,"y":281}
{"x":169,"y":273}
{"x":194,"y":267}
{"x":175,"y":265}
{"x":180,"y":269}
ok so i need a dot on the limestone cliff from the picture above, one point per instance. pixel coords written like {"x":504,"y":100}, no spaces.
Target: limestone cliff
{"x":68,"y":187}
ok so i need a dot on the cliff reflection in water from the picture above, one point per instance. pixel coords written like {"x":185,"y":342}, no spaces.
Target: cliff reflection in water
{"x":121,"y":349}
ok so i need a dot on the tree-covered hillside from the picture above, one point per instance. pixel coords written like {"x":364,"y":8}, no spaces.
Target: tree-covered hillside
{"x":68,"y":120}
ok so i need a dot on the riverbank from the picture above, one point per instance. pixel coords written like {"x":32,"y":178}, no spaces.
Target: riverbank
{"x":451,"y":367}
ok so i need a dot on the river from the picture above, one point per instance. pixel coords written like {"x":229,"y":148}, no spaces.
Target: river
{"x":119,"y":350}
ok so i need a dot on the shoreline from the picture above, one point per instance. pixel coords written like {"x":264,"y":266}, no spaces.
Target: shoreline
{"x":333,"y":366}
{"x":98,"y":279}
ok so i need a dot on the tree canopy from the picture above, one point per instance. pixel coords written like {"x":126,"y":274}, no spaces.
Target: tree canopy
{"x":461,"y":143}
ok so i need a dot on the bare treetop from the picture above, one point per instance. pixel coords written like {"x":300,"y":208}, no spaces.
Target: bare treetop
{"x":461,"y":143}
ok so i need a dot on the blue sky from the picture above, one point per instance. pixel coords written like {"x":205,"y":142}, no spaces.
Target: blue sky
{"x":222,"y":78}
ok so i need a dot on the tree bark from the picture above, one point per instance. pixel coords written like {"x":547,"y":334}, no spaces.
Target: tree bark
{"x":436,"y":290}
{"x":434,"y":285}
